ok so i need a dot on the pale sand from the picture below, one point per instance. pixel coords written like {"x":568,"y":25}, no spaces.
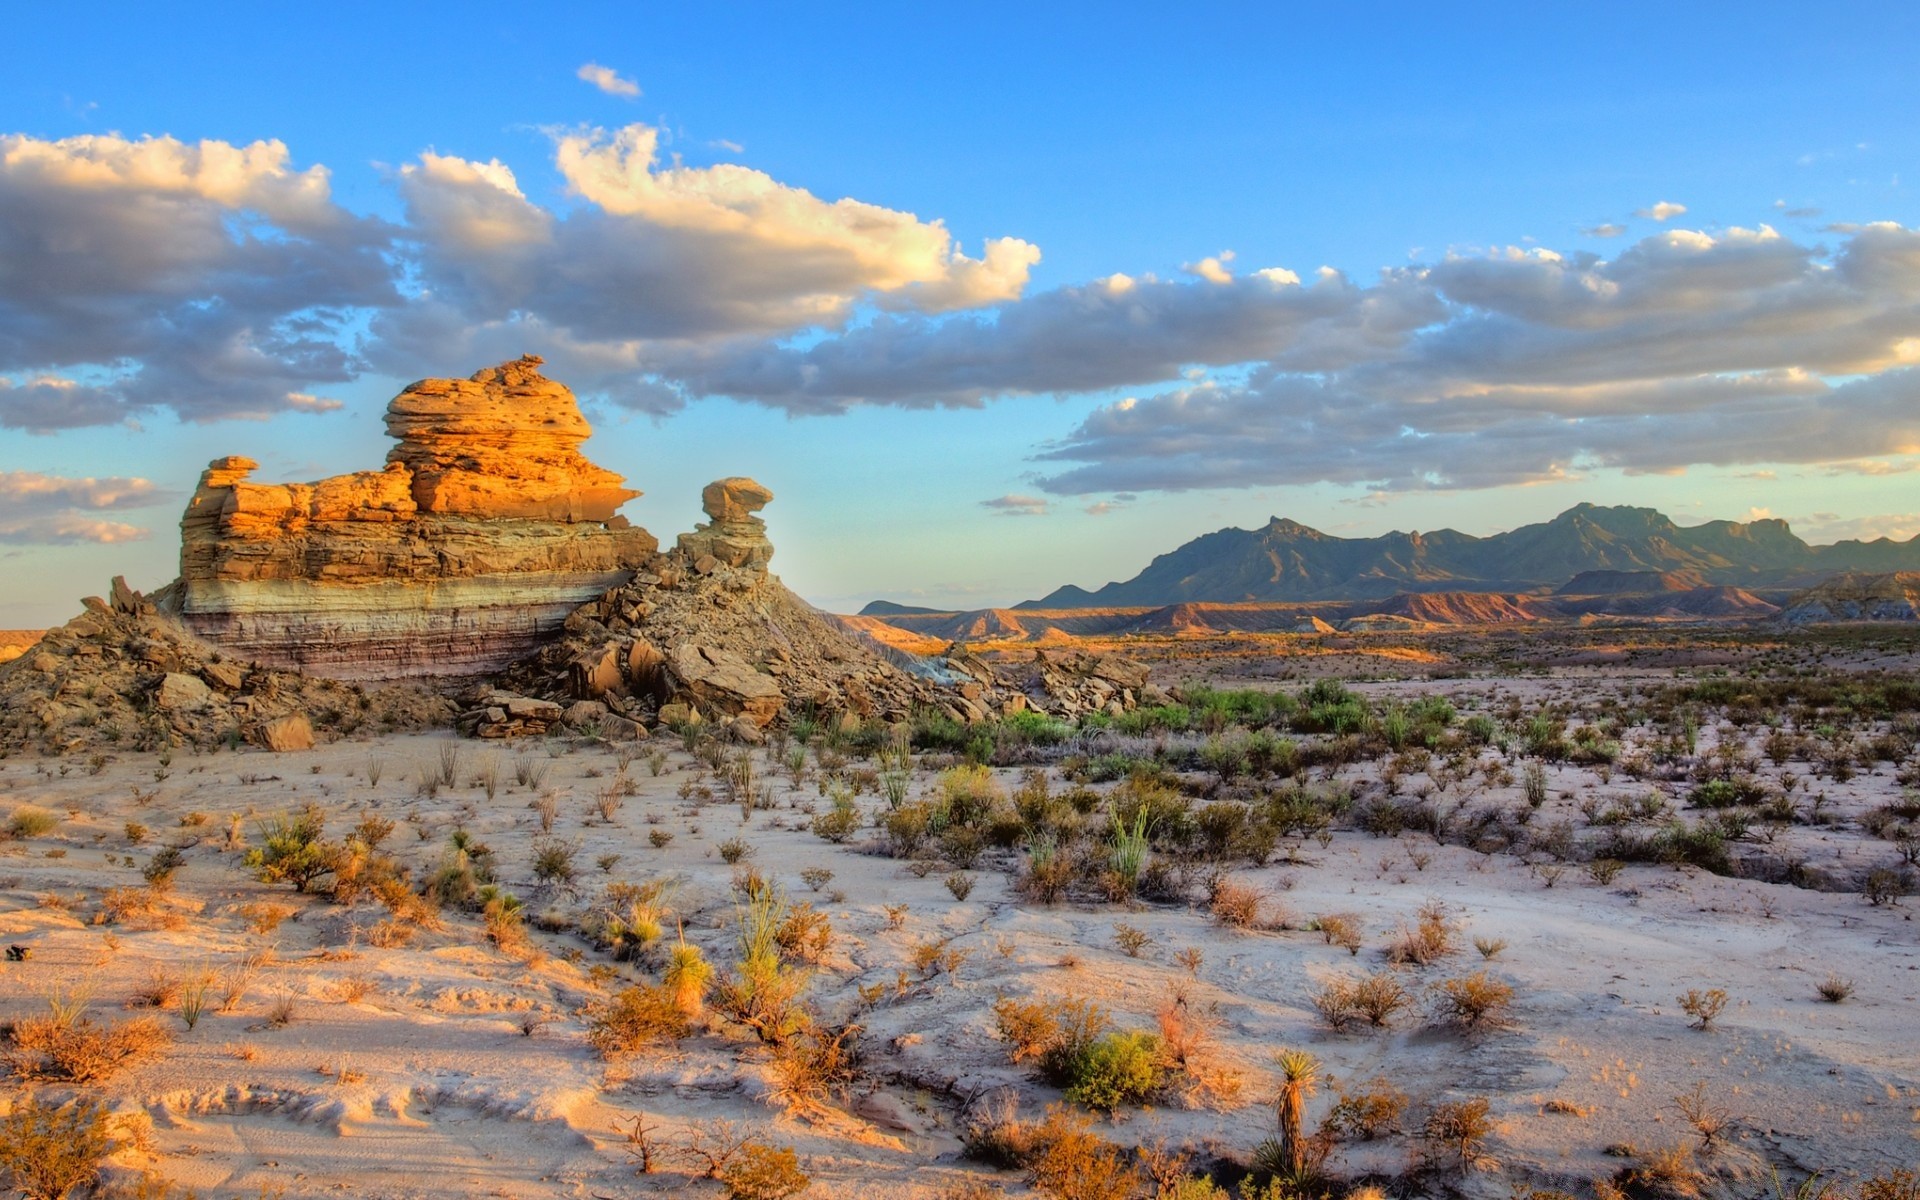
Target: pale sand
{"x":448,"y":1099}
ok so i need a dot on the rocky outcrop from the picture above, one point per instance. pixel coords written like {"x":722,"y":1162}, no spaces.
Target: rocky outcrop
{"x":125,"y":675}
{"x":1890,"y":597}
{"x":484,"y":531}
{"x":705,"y":633}
{"x":732,"y":535}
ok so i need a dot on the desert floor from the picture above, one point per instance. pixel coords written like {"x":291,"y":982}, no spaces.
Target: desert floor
{"x":341,"y":1054}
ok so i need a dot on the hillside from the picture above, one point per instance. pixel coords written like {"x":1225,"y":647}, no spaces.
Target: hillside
{"x":1603,"y":549}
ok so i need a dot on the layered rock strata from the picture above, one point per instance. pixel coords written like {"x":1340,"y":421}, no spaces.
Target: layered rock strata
{"x":484,"y":531}
{"x":123,"y":674}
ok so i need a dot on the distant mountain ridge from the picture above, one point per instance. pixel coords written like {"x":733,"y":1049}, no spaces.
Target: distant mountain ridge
{"x":1287,"y":561}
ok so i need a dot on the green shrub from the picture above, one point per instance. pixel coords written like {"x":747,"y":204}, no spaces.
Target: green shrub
{"x":1119,"y":1068}
{"x":292,"y":850}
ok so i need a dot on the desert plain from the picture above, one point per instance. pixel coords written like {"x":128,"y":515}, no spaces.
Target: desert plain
{"x":1609,"y":909}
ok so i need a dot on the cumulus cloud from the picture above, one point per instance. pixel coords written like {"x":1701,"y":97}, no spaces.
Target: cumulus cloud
{"x":39,"y":509}
{"x":1665,"y":210}
{"x":659,"y":259}
{"x":1012,"y":505}
{"x":1114,"y":332}
{"x":206,"y":278}
{"x":607,"y":80}
{"x":1606,"y":229}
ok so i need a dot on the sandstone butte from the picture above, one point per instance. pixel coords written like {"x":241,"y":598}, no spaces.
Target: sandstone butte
{"x":486,"y":560}
{"x":486,"y":528}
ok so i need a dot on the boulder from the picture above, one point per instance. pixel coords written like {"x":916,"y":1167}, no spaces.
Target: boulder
{"x":596,"y":672}
{"x":733,"y":500}
{"x":224,"y":675}
{"x":182,"y":693}
{"x":582,"y":713}
{"x":291,"y":732}
{"x":719,"y":681}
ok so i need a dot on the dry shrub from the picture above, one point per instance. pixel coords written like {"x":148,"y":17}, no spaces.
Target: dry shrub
{"x":81,"y":1050}
{"x":805,"y":936}
{"x":1365,"y":1112}
{"x":1373,"y":998}
{"x":1027,"y":1026}
{"x":1703,"y":1006}
{"x":1476,"y":1001}
{"x":52,"y":1152}
{"x":1236,"y":905}
{"x":1342,"y":929}
{"x":140,"y":907}
{"x":1429,"y":939}
{"x":160,"y":989}
{"x":1063,"y":1158}
{"x":810,"y":1068}
{"x":1456,"y":1132}
{"x":1668,"y":1172}
{"x":762,"y":1172}
{"x":637,"y":1017}
{"x":263,"y":917}
{"x":1079,"y":1025}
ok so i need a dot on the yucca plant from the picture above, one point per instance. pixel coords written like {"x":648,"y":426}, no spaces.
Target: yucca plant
{"x":1299,"y":1079}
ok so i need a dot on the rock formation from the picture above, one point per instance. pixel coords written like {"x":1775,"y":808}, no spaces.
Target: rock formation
{"x":125,"y":675}
{"x":705,"y":633}
{"x":486,"y":558}
{"x":485,"y":529}
{"x":1894,"y":596}
{"x":732,"y":536}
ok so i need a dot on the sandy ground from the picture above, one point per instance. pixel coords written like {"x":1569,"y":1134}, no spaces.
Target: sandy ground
{"x":410,"y":1071}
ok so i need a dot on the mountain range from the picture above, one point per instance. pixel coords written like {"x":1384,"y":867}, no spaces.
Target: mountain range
{"x":1587,"y":550}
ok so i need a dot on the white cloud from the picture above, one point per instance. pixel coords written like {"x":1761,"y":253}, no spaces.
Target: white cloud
{"x":67,"y":530}
{"x":1012,"y":505}
{"x":22,"y":491}
{"x":1213,"y":269}
{"x":1606,"y":229}
{"x":659,"y":262}
{"x":607,"y":80}
{"x":208,"y":278}
{"x":39,"y":509}
{"x":1665,"y":210}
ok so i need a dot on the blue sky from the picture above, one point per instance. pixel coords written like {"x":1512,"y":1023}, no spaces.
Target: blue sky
{"x":1650,"y":257}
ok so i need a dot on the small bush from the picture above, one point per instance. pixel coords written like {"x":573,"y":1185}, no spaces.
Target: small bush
{"x":1834,"y":989}
{"x":1476,"y":1001}
{"x":1069,"y":1162}
{"x":1456,"y":1131}
{"x":79,"y":1049}
{"x":1703,"y":1006}
{"x":1373,"y":998}
{"x":50,"y":1153}
{"x":293,"y":851}
{"x":637,"y":1017}
{"x":1237,"y":905}
{"x":1371,"y":1110}
{"x":1120,"y":1068}
{"x":763,"y":1172}
{"x":30,"y":822}
{"x":1430,"y":939}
